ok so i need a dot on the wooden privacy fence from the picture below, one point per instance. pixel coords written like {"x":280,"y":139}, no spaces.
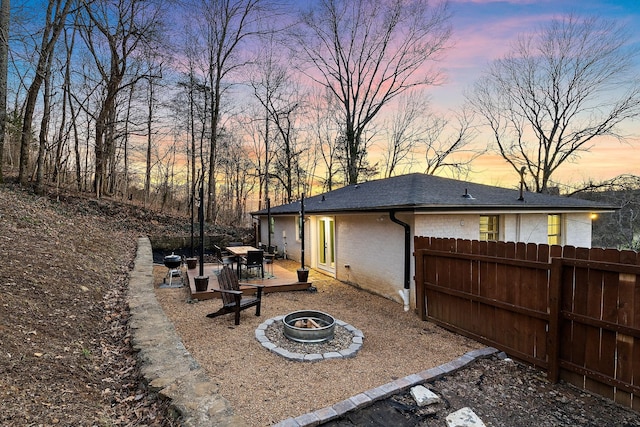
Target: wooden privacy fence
{"x":572,"y":311}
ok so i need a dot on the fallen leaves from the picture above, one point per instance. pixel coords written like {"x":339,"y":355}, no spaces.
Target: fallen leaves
{"x":64,"y":333}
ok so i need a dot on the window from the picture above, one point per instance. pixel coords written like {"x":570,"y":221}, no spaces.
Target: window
{"x":489,"y":227}
{"x":554,"y":224}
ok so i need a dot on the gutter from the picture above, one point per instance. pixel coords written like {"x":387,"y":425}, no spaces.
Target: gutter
{"x":404,"y":293}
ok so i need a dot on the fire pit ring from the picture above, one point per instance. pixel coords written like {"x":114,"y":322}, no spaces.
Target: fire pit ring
{"x":308,"y":326}
{"x":347,"y":342}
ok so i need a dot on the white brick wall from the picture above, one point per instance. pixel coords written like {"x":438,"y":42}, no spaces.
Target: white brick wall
{"x":577,"y":229}
{"x":372,"y":245}
{"x":454,"y":225}
{"x":288,"y":242}
{"x":533,"y":228}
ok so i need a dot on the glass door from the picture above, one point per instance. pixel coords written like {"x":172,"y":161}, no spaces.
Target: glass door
{"x":326,"y":246}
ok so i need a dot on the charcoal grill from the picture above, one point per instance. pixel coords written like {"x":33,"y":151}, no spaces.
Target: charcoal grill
{"x":173,"y":262}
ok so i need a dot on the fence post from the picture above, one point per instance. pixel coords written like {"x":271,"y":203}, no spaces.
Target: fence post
{"x":555,"y":304}
{"x":421,"y":304}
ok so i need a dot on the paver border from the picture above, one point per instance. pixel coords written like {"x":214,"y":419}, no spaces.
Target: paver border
{"x":381,"y":392}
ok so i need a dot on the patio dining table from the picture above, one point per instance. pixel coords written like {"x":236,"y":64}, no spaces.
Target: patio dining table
{"x":240,"y":251}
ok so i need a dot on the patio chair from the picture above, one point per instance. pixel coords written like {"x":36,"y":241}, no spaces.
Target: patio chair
{"x":233,"y":301}
{"x":254,"y":259}
{"x":223,"y":258}
{"x":269,"y":256}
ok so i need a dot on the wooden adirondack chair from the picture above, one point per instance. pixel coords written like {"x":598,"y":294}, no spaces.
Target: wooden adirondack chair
{"x":232,"y":298}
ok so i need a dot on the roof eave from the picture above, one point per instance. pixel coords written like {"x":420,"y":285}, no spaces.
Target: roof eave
{"x":453,"y":209}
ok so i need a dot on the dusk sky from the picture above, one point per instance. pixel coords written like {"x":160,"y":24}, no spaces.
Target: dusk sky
{"x":483,"y":31}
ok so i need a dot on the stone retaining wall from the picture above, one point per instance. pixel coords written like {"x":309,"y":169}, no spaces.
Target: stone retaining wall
{"x":166,"y":365}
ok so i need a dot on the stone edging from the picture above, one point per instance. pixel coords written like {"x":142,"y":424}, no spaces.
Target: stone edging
{"x":356,"y":344}
{"x":368,"y":397}
{"x":167,"y":367}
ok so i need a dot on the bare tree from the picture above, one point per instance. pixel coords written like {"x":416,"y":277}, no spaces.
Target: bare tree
{"x":443,"y":140}
{"x":619,"y":229}
{"x":66,"y":125}
{"x":44,"y":125}
{"x":4,"y":62}
{"x":55,"y":16}
{"x":268,"y":81}
{"x":122,"y":29}
{"x":152,"y":101}
{"x":447,"y":143}
{"x":192,"y":109}
{"x":237,"y":178}
{"x":258,"y":130}
{"x":326,"y":129}
{"x":404,"y":132}
{"x":224,"y":25}
{"x":366,"y":52}
{"x":282,"y":102}
{"x":556,"y":92}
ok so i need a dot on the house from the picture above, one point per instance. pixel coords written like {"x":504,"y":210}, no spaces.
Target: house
{"x":363,"y":234}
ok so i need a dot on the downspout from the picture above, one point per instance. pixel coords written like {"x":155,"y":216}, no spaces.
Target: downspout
{"x":404,"y":293}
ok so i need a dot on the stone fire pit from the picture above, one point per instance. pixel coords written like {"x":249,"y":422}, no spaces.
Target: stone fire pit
{"x":308,"y":326}
{"x":342,"y":342}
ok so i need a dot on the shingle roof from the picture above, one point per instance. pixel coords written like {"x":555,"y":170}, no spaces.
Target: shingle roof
{"x":420,"y":192}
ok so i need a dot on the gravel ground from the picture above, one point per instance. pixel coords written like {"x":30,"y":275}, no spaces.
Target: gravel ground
{"x":265,"y":388}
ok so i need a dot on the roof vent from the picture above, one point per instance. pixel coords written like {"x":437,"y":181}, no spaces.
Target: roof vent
{"x":522,"y":172}
{"x":466,"y":195}
{"x":323,"y":199}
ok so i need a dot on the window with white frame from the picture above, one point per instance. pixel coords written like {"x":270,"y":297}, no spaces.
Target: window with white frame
{"x":554,"y":226}
{"x":489,"y":227}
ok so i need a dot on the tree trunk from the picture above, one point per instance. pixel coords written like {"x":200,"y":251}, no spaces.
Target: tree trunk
{"x":44,"y":129}
{"x":147,"y":175}
{"x":52,"y":29}
{"x":4,"y":60}
{"x":213,"y":149}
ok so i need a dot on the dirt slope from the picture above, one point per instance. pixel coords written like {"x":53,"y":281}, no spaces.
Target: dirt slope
{"x":65,"y":357}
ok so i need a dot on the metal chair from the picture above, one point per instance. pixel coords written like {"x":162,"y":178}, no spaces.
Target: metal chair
{"x":223,"y":258}
{"x":270,"y":256}
{"x":254,"y":259}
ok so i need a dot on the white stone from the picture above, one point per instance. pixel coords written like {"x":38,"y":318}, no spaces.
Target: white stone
{"x":423,"y":396}
{"x":464,"y":417}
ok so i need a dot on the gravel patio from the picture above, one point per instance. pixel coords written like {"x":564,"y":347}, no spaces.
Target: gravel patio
{"x":265,"y":388}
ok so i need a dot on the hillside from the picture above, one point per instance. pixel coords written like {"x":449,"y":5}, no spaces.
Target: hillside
{"x":65,"y":355}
